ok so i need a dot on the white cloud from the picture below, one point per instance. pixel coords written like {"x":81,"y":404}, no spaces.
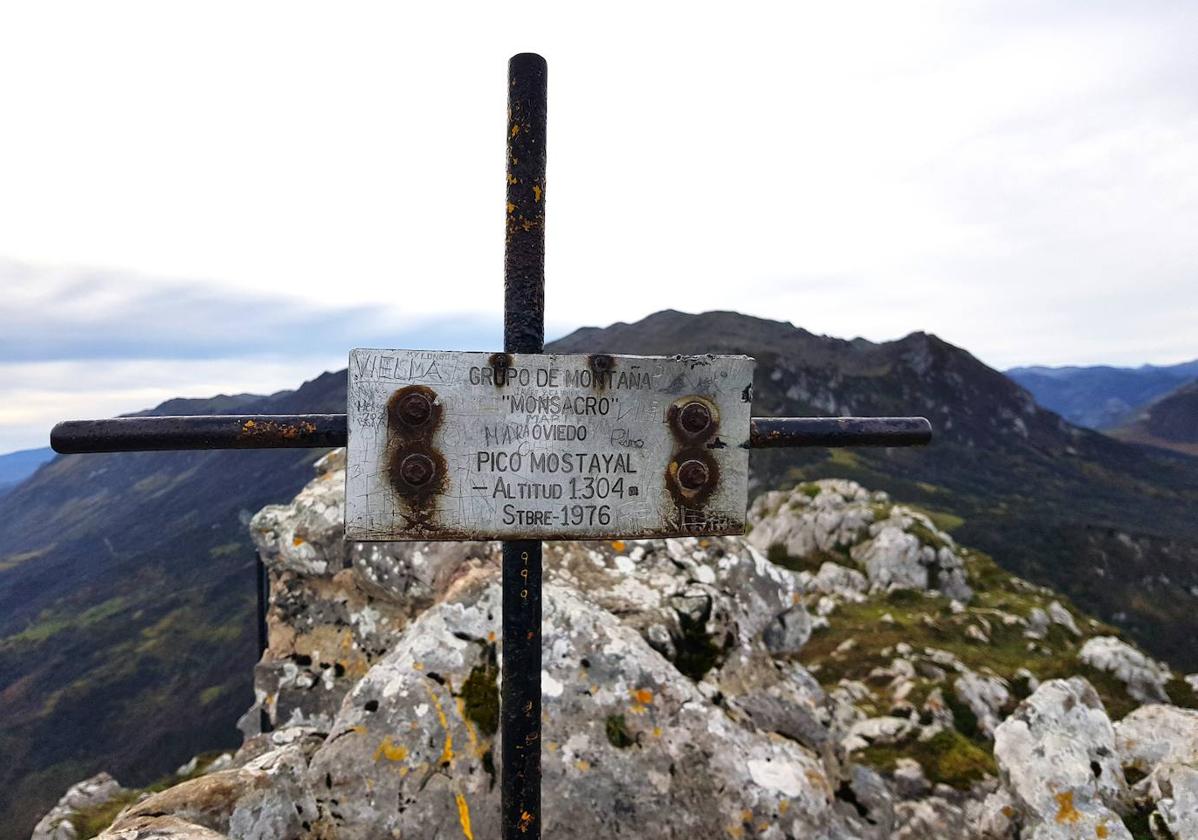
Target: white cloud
{"x":1020,"y":178}
{"x":36,"y":395}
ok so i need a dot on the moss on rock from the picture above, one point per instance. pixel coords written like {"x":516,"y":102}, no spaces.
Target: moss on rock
{"x":480,"y":694}
{"x":947,"y":757}
{"x":617,"y":732}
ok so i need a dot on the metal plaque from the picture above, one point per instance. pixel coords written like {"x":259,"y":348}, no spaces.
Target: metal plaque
{"x":465,"y":446}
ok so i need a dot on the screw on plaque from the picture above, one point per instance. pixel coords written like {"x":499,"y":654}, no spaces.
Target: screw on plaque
{"x":417,"y":469}
{"x":695,"y":417}
{"x":414,"y":409}
{"x":693,"y":475}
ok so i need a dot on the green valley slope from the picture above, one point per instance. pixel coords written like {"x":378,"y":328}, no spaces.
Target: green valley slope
{"x":127,"y":594}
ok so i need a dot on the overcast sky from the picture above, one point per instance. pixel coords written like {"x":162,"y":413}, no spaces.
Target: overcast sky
{"x":208,"y":197}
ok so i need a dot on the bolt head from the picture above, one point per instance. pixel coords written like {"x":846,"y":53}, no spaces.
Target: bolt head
{"x":695,"y":417}
{"x":417,"y":469}
{"x":414,"y":409}
{"x":693,"y":475}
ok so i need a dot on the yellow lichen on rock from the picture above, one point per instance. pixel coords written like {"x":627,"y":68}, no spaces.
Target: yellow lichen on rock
{"x":1066,"y":812}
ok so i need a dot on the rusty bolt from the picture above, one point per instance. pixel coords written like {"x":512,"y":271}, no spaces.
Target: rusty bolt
{"x":414,"y":409}
{"x":695,"y":417}
{"x":417,"y":469}
{"x":693,"y":475}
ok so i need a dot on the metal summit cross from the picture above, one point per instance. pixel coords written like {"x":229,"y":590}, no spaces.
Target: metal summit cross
{"x":521,"y":446}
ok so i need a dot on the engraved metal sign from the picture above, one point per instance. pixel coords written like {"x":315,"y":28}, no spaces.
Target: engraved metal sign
{"x":452,"y":446}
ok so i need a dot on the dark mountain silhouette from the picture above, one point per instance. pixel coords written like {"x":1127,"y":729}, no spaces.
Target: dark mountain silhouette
{"x":1170,"y":422}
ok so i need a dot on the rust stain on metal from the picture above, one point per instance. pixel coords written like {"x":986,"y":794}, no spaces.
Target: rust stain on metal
{"x":755,"y":432}
{"x":263,"y":429}
{"x":601,"y":365}
{"x":500,"y":364}
{"x":526,"y":821}
{"x":693,"y":474}
{"x":413,"y":409}
{"x":417,"y":471}
{"x":415,"y":466}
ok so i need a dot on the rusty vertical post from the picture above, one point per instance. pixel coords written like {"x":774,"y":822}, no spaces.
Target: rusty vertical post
{"x":523,"y":332}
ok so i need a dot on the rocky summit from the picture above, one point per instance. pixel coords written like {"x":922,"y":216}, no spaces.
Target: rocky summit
{"x":846,"y":670}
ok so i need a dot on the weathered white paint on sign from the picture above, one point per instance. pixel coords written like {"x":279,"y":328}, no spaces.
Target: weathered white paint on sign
{"x":545,"y":446}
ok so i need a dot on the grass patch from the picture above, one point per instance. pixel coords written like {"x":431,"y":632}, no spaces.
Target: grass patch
{"x":810,"y":562}
{"x":101,"y":611}
{"x":47,"y":625}
{"x":211,"y":694}
{"x":926,"y":535}
{"x":11,"y":561}
{"x":1181,"y":694}
{"x":947,"y":758}
{"x":52,"y":622}
{"x":923,"y":621}
{"x":91,"y":822}
{"x":881,"y":510}
{"x":943,"y":520}
{"x":843,"y":458}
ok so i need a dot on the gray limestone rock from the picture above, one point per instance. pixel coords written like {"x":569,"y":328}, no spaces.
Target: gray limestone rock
{"x":986,"y":696}
{"x":786,"y":634}
{"x":1175,"y":792}
{"x":1157,"y":734}
{"x":627,"y":742}
{"x":1057,"y":757}
{"x":1144,"y":677}
{"x":896,"y":547}
{"x":841,"y":581}
{"x":1162,"y":742}
{"x":92,"y":792}
{"x":1063,"y":617}
{"x":928,"y":818}
{"x":266,"y":799}
{"x":909,"y":779}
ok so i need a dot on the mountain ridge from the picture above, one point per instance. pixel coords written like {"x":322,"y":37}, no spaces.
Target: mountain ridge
{"x":1101,"y":396}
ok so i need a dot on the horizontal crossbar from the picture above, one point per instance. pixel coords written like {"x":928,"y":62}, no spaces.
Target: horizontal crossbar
{"x":306,"y":431}
{"x":217,"y":431}
{"x":769,"y":432}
